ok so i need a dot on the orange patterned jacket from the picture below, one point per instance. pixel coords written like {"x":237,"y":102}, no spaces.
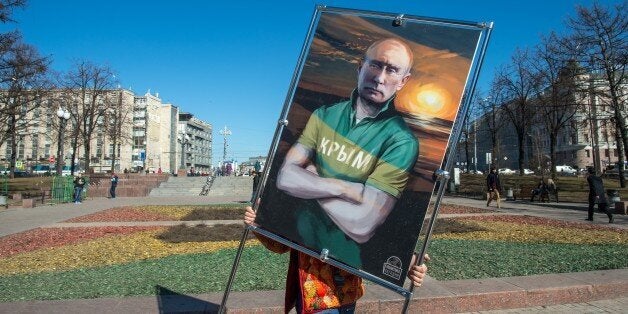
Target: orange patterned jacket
{"x":322,"y":286}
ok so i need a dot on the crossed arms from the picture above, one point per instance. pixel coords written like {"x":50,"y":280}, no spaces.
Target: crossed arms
{"x":357,"y":209}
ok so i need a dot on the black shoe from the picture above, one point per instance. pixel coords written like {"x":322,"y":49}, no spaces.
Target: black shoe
{"x":589,"y":219}
{"x":611,"y":219}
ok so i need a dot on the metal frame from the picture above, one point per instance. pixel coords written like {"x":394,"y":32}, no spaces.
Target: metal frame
{"x":443,"y":174}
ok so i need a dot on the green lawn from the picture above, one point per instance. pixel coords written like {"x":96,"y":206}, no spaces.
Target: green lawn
{"x":262,"y":270}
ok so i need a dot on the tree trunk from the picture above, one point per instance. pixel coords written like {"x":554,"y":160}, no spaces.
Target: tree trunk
{"x":13,"y":137}
{"x":620,"y":156}
{"x":74,"y":151}
{"x":113,"y":157}
{"x":87,"y":151}
{"x":522,"y":151}
{"x":552,"y":169}
{"x":466,"y":151}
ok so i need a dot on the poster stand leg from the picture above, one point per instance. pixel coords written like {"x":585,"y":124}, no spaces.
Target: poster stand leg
{"x":234,"y":270}
{"x":443,"y":177}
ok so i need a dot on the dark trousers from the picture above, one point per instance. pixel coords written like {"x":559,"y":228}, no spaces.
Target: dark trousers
{"x":112,"y":191}
{"x":603,"y":207}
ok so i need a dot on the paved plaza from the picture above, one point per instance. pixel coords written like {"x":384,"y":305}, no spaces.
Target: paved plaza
{"x":588,"y":292}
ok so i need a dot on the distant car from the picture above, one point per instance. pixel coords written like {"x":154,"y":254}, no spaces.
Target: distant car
{"x":527,"y":171}
{"x":475,"y":171}
{"x":67,"y":171}
{"x":20,"y":174}
{"x":566,"y":170}
{"x":506,"y":171}
{"x":41,"y":170}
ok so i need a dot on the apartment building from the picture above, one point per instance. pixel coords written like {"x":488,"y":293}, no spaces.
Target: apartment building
{"x":195,"y":143}
{"x":134,"y":133}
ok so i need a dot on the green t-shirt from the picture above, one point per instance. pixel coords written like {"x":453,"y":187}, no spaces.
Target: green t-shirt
{"x":377,"y":151}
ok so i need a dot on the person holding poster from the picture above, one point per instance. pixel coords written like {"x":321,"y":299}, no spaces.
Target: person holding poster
{"x":351,"y":163}
{"x":314,"y":286}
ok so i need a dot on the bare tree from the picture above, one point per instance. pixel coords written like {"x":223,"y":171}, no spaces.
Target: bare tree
{"x":88,"y":84}
{"x":23,"y":72}
{"x":7,"y":7}
{"x":557,"y":87}
{"x":120,"y":122}
{"x":468,"y":134}
{"x":517,"y":81}
{"x":600,"y":37}
{"x":492,"y":120}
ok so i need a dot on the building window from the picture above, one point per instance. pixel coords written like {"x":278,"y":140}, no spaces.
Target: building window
{"x":20,"y":149}
{"x":588,"y":153}
{"x":606,"y":153}
{"x":615,"y":152}
{"x":35,"y":149}
{"x":99,"y":145}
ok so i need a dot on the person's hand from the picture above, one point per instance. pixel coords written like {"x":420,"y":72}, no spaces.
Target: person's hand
{"x":351,"y":191}
{"x":311,"y":168}
{"x":416,"y":273}
{"x":249,"y":216}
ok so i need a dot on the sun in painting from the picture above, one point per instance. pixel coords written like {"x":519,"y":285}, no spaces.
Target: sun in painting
{"x":427,"y":100}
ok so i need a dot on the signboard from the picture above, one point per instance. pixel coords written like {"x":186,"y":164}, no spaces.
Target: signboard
{"x":368,"y":119}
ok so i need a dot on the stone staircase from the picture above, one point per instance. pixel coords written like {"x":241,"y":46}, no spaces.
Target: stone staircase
{"x":232,"y":186}
{"x":240,"y":187}
{"x":180,"y":186}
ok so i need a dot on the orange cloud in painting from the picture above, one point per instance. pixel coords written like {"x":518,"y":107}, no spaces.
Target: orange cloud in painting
{"x":436,"y":85}
{"x":428,"y":100}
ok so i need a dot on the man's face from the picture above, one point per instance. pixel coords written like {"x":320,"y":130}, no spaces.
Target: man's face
{"x":384,"y":71}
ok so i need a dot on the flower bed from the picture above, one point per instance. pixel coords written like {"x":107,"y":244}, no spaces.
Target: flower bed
{"x":164,"y":213}
{"x":85,"y":262}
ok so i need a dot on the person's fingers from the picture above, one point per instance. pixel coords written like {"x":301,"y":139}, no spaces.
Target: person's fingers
{"x":249,"y":216}
{"x":426,"y":258}
{"x":417,"y":274}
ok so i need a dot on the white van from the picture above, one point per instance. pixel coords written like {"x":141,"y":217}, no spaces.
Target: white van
{"x":566,"y":170}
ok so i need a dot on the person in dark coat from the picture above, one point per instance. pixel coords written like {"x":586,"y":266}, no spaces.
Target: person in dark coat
{"x":541,"y":190}
{"x":256,"y":179}
{"x":493,"y":187}
{"x":114,"y":184}
{"x":597,"y":195}
{"x":79,"y":184}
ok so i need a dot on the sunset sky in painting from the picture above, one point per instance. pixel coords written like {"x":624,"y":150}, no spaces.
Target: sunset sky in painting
{"x":438,"y":75}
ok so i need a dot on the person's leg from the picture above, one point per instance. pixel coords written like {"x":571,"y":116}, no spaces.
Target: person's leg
{"x":113,"y":191}
{"x":604,"y":208}
{"x":489,"y":196}
{"x":590,"y":210}
{"x":77,"y":195}
{"x":498,"y":199}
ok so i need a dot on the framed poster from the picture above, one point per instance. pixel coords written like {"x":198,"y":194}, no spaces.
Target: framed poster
{"x":367,"y":122}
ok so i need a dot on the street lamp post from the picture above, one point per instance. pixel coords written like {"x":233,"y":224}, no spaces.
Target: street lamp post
{"x":184,"y":140}
{"x":63,"y":115}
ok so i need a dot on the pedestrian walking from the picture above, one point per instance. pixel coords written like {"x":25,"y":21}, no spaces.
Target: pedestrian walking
{"x":79,"y":184}
{"x":597,"y":195}
{"x":114,"y":184}
{"x":256,"y":178}
{"x":493,"y":187}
